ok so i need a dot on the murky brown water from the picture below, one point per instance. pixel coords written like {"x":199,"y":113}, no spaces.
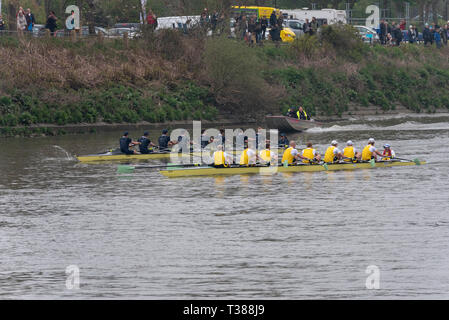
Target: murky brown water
{"x":285,"y":236}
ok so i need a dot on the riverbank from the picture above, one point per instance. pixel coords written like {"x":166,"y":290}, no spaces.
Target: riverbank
{"x":167,"y":78}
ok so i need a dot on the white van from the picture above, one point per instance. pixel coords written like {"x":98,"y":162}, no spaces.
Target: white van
{"x":329,"y":16}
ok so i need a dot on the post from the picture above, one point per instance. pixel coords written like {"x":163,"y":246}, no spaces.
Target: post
{"x":407,"y":14}
{"x":73,"y":35}
{"x":125,"y":39}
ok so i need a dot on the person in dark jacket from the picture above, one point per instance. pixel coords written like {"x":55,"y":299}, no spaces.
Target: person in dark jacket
{"x":443,"y":33}
{"x":427,"y":35}
{"x":145,"y":142}
{"x":398,"y":35}
{"x":306,"y":27}
{"x":30,"y":20}
{"x":264,"y":25}
{"x":411,"y":34}
{"x":383,"y":32}
{"x":2,"y":24}
{"x":51,"y":23}
{"x":126,"y":142}
{"x":437,"y":36}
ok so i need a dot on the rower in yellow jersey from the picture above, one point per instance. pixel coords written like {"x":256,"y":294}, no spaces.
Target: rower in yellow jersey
{"x":266,"y":155}
{"x":370,"y":151}
{"x":248,"y":157}
{"x":291,"y":154}
{"x":221,"y":159}
{"x":310,"y":154}
{"x":350,"y":153}
{"x":333,"y":153}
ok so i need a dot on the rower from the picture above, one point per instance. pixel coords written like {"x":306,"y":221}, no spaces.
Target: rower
{"x":350,"y":152}
{"x":370,"y":151}
{"x":266,"y":155}
{"x":283,"y":141}
{"x":302,"y":114}
{"x":248,"y":157}
{"x":388,"y":153}
{"x":332,"y":153}
{"x":164,"y":141}
{"x":144,"y":143}
{"x":310,"y":154}
{"x":126,"y":142}
{"x":221,"y":158}
{"x":204,"y":140}
{"x":291,"y":154}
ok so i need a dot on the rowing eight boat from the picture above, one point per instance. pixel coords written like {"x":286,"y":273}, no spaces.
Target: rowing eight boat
{"x":211,"y":171}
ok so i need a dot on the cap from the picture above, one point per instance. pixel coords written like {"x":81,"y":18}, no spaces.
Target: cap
{"x":371,"y":140}
{"x":349,"y":143}
{"x":386,"y":145}
{"x":146,"y":133}
{"x":125,"y":133}
{"x":164,"y":131}
{"x":334,"y":142}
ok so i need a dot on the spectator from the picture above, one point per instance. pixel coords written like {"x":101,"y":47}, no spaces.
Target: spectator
{"x":402,"y":25}
{"x":273,"y":19}
{"x":427,"y":35}
{"x":51,"y":23}
{"x":412,"y":35}
{"x":252,"y":30}
{"x":21,"y":23}
{"x":214,"y":21}
{"x":204,"y":18}
{"x":443,"y":34}
{"x":313,"y":26}
{"x":398,"y":35}
{"x":152,"y":20}
{"x":280,"y":20}
{"x":258,"y":31}
{"x":30,"y":20}
{"x":264,"y":25}
{"x":306,"y":27}
{"x":2,"y":24}
{"x":437,"y":36}
{"x":383,"y":32}
{"x":243,"y":27}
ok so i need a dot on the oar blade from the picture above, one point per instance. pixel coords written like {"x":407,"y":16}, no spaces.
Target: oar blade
{"x":125,"y":169}
{"x":417,"y":162}
{"x":372,"y":162}
{"x":326,"y":167}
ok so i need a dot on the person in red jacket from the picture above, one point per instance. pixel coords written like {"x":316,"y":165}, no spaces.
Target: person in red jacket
{"x":152,"y":20}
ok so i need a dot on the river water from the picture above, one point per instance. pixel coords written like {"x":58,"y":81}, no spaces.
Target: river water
{"x":302,"y":235}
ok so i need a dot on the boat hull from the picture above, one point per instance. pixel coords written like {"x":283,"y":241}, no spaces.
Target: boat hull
{"x":210,"y":171}
{"x":288,"y":124}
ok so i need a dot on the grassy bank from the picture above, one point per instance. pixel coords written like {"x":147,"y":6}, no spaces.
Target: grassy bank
{"x":170,"y":76}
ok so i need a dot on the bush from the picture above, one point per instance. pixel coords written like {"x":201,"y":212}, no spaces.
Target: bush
{"x":344,"y":39}
{"x":26,"y":119}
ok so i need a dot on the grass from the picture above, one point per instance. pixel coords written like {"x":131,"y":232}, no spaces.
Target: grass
{"x":170,"y":76}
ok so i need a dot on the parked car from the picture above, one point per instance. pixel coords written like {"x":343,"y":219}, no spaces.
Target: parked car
{"x":38,"y":30}
{"x":84,"y":32}
{"x":368,"y":34}
{"x":119,"y":33}
{"x":294,"y":25}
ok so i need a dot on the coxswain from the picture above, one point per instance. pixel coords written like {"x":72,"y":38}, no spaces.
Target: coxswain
{"x":332,"y":153}
{"x":370,"y":151}
{"x":388,"y":153}
{"x":144,"y":143}
{"x":291,"y":154}
{"x":302,"y":114}
{"x":350,"y":153}
{"x":126,"y":142}
{"x":266,"y":155}
{"x":221,"y":159}
{"x":248,"y":157}
{"x":164,"y":141}
{"x":283,"y":141}
{"x":310,"y":154}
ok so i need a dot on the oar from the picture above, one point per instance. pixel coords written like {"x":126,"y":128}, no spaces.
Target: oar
{"x":130,"y":169}
{"x":416,"y":161}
